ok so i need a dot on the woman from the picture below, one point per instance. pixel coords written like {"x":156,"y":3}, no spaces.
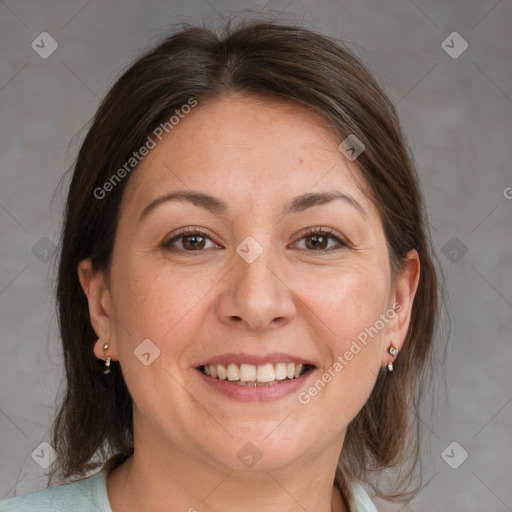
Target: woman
{"x":246,"y":294}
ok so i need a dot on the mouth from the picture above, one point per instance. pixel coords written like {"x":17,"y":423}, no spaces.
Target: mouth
{"x":250,"y":375}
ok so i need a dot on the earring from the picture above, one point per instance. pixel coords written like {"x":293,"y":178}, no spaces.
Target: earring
{"x":107,"y":361}
{"x":394,"y":352}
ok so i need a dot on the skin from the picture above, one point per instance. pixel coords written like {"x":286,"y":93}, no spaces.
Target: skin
{"x":256,"y":155}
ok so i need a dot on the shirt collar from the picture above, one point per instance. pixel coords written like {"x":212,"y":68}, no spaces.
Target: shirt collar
{"x":355,"y":497}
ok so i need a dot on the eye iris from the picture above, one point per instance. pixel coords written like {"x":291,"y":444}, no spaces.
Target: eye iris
{"x":319,"y":242}
{"x":189,"y":242}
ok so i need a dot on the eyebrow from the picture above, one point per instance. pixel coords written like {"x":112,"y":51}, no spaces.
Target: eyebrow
{"x":219,"y":207}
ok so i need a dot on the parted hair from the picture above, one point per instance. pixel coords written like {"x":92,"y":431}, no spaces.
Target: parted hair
{"x":264,"y":59}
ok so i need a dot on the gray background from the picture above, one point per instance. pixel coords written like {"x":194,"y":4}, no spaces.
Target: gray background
{"x":457,"y":116}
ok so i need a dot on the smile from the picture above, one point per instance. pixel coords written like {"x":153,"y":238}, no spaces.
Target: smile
{"x":253,"y":375}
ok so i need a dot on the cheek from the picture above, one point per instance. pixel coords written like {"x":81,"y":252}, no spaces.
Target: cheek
{"x":168,"y":309}
{"x":347,"y":302}
{"x":347,"y":311}
{"x":160,"y":305}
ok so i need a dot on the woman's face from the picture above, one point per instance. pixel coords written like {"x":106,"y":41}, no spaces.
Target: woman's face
{"x":248,"y":288}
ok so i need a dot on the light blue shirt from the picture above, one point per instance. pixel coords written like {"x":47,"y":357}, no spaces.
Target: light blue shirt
{"x":90,"y":495}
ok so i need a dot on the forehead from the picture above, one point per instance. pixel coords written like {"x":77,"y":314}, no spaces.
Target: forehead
{"x":246,"y":149}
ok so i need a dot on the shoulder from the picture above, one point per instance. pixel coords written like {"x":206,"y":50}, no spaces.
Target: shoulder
{"x":87,"y":495}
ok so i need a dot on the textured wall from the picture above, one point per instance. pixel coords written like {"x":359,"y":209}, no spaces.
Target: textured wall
{"x":456,"y":111}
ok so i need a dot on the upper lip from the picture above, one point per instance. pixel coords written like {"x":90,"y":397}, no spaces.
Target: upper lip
{"x":256,"y":360}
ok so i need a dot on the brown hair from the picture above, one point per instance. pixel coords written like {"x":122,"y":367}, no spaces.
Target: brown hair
{"x":264,"y":59}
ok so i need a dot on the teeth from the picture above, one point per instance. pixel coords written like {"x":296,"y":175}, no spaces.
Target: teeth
{"x":247,"y":372}
{"x":256,"y":384}
{"x":221,"y":371}
{"x":233,"y":372}
{"x":281,"y":371}
{"x":251,"y":375}
{"x":266,"y":373}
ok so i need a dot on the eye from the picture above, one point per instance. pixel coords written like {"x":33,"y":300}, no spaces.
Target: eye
{"x":195,"y":240}
{"x":189,"y":240}
{"x":318,"y":240}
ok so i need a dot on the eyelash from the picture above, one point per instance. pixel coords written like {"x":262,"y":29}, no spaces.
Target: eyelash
{"x":329,"y":233}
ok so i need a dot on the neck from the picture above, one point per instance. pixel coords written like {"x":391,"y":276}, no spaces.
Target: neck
{"x":171,"y":480}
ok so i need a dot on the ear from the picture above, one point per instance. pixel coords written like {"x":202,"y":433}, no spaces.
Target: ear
{"x":100,"y":308}
{"x":402,"y":299}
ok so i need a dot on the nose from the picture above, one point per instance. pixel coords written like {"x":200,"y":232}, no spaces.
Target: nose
{"x":256,"y":294}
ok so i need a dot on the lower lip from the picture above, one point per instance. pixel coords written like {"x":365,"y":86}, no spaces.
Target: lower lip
{"x":256,"y":393}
